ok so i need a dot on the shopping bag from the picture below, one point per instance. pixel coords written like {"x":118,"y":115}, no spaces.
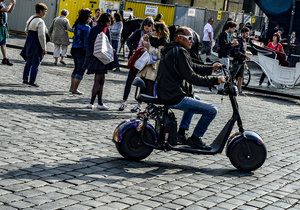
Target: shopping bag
{"x":133,"y":58}
{"x":142,"y":61}
{"x":103,"y":49}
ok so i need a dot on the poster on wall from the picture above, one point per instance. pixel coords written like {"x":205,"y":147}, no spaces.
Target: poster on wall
{"x":151,"y":10}
{"x":192,"y":12}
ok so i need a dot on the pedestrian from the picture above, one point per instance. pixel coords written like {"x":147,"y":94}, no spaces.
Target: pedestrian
{"x":79,"y":48}
{"x":132,"y":43}
{"x":276,"y":46}
{"x":94,"y":20}
{"x":94,"y":65}
{"x":116,"y":31}
{"x":35,"y":45}
{"x":3,"y":28}
{"x":208,"y":36}
{"x":239,"y":58}
{"x":225,"y":42}
{"x":58,"y":32}
{"x":157,"y":40}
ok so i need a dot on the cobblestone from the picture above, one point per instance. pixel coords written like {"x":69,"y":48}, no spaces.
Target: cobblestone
{"x":56,"y":154}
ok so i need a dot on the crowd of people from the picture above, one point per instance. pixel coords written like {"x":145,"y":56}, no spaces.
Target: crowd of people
{"x":171,"y":62}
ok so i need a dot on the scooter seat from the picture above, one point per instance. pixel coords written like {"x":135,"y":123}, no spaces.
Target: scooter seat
{"x":148,"y":99}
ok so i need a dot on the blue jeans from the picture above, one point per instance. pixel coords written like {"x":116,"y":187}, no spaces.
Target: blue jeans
{"x":192,"y":106}
{"x":115,"y":45}
{"x":78,"y":55}
{"x":31,"y":69}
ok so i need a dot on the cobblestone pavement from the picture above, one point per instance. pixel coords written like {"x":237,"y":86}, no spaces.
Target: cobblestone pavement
{"x":56,"y":154}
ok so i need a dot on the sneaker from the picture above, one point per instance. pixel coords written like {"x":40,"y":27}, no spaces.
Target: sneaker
{"x":259,"y":85}
{"x":5,"y":61}
{"x":55,"y":63}
{"x":63,"y":63}
{"x":136,"y":108}
{"x":198,"y":144}
{"x":182,"y":139}
{"x":102,"y":107}
{"x":25,"y":82}
{"x":91,"y":106}
{"x":33,"y":84}
{"x":122,"y":107}
{"x":77,"y":92}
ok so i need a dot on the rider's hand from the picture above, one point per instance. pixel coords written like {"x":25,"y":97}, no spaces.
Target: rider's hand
{"x":221,"y":79}
{"x":216,"y":66}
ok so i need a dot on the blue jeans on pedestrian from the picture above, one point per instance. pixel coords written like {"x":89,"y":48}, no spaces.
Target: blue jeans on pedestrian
{"x":192,"y":106}
{"x":115,"y":46}
{"x":31,"y":69}
{"x":78,"y":55}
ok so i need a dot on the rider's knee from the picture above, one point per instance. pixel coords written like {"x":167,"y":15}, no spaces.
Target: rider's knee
{"x":213,"y":111}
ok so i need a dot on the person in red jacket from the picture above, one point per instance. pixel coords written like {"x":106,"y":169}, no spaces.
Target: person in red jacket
{"x":275,"y":44}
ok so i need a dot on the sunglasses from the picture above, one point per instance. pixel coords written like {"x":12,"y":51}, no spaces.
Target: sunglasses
{"x":189,"y":38}
{"x":149,"y":25}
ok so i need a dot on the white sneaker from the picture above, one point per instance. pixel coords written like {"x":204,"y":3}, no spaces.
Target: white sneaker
{"x":102,"y":107}
{"x":91,"y":106}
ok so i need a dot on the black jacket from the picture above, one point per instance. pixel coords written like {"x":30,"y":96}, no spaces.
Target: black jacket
{"x":224,"y":44}
{"x":175,"y":66}
{"x":133,"y":40}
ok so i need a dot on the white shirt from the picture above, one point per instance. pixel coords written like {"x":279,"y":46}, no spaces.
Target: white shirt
{"x":208,"y":28}
{"x":38,"y":24}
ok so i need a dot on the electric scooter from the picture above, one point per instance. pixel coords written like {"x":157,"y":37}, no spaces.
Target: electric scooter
{"x":135,"y":139}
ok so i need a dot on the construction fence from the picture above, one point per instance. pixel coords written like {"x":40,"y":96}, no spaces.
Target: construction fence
{"x":194,"y":18}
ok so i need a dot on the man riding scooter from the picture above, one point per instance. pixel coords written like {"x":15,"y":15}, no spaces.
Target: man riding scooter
{"x":175,"y":66}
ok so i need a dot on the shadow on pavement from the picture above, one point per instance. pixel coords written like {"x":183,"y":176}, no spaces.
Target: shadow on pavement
{"x":101,"y":169}
{"x":27,"y":92}
{"x":293,"y":117}
{"x":11,"y":85}
{"x":69,"y":113}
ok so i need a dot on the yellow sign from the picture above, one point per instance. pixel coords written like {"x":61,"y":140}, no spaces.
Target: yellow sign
{"x":253,"y":20}
{"x":219,"y":16}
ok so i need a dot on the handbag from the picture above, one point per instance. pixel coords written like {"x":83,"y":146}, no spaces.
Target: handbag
{"x":133,"y":58}
{"x":103,"y":49}
{"x":142,"y":61}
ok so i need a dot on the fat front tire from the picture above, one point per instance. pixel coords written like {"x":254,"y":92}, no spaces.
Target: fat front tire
{"x":247,"y":155}
{"x":132,"y":148}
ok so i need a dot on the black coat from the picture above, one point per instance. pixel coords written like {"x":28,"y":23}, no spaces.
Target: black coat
{"x":224,"y":44}
{"x":175,"y":66}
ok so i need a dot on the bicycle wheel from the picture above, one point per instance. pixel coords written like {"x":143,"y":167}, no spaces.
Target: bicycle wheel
{"x":247,"y":76}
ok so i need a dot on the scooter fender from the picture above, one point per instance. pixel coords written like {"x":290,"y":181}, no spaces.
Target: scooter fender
{"x":128,"y":124}
{"x":246,"y":135}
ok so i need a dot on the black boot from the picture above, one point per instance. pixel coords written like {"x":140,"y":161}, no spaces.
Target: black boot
{"x":5,"y":61}
{"x":197,"y":143}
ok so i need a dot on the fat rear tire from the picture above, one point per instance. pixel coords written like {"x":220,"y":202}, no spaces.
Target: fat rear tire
{"x":245,"y":161}
{"x":132,"y":148}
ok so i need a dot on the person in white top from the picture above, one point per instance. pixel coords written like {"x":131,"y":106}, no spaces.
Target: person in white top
{"x":35,"y":44}
{"x":208,"y":35}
